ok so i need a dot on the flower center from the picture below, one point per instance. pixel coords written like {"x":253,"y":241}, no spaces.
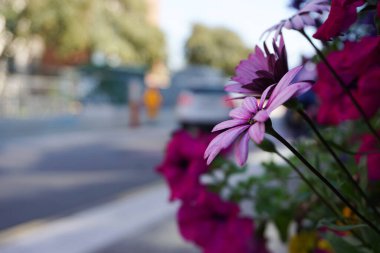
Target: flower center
{"x":251,"y":121}
{"x":183,"y":164}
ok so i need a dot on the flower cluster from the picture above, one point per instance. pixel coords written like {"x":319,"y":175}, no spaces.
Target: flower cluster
{"x":215,"y":225}
{"x":330,"y":167}
{"x":342,"y":16}
{"x":204,"y":218}
{"x":358,"y":65}
{"x":183,"y":165}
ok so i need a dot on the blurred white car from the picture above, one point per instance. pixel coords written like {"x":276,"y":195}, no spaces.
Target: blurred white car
{"x":203,"y":106}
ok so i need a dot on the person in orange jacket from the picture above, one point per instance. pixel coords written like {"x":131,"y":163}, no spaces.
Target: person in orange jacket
{"x":152,"y":101}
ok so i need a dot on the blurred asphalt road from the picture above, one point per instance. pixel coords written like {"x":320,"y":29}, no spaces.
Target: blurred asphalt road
{"x":85,"y":184}
{"x":53,"y":169}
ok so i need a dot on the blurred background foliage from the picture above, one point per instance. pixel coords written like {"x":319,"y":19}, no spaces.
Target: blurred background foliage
{"x":117,"y":28}
{"x":217,"y":47}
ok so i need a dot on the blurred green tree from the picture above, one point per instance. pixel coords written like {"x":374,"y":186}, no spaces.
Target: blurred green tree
{"x":117,"y":28}
{"x":217,"y":47}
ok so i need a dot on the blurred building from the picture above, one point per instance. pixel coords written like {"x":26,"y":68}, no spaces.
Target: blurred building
{"x":158,"y":76}
{"x":153,"y":11}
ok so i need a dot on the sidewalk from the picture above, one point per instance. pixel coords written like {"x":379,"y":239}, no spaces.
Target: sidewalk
{"x":139,"y":222}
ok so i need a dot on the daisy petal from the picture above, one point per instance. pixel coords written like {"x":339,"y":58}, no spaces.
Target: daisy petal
{"x":232,"y":134}
{"x":297,"y":22}
{"x":250,"y":103}
{"x":241,"y":149}
{"x":308,"y":20}
{"x":256,"y":132}
{"x":212,"y":156}
{"x":261,"y":116}
{"x":285,"y":81}
{"x":222,"y":141}
{"x":264,"y":96}
{"x":304,"y":87}
{"x":287,"y":93}
{"x":228,"y":124}
{"x":240,"y":113}
{"x":214,"y":145}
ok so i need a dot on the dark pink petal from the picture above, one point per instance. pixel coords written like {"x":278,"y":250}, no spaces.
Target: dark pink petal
{"x":357,"y":61}
{"x":240,"y":113}
{"x":342,"y":15}
{"x":229,"y":124}
{"x":241,"y":149}
{"x":261,"y":116}
{"x":369,"y":91}
{"x":257,"y":131}
{"x":369,"y":143}
{"x":250,"y":104}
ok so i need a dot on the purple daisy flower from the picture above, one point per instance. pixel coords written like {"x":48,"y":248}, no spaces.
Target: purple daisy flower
{"x":248,"y":121}
{"x":302,"y":18}
{"x":260,"y":70}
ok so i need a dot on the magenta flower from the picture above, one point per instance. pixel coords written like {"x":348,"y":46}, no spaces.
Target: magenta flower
{"x":369,"y":143}
{"x":358,"y":64}
{"x":184,"y":164}
{"x":302,"y":18}
{"x":248,"y":121}
{"x":215,"y":225}
{"x":260,"y":70}
{"x":342,"y":15}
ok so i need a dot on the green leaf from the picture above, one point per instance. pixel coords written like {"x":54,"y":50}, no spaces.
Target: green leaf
{"x":330,"y":223}
{"x":282,"y":221}
{"x":344,"y":244}
{"x":372,"y":238}
{"x":267,"y":146}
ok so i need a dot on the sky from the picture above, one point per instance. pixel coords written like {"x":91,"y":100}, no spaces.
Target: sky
{"x":248,"y":18}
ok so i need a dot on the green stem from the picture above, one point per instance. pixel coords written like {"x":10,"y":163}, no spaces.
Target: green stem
{"x":343,"y":86}
{"x":272,"y":132}
{"x":349,"y":152}
{"x":338,"y":161}
{"x":328,"y":204}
